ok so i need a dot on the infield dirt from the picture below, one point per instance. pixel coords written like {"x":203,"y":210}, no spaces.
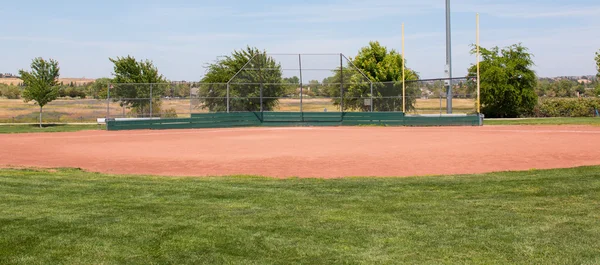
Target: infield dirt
{"x":309,"y":152}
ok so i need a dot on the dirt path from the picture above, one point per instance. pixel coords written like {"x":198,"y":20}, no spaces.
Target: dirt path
{"x":309,"y":152}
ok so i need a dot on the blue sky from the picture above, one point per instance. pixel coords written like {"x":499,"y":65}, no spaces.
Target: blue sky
{"x":182,"y":36}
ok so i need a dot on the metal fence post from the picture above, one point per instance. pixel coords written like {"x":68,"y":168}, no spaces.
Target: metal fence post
{"x":191,"y":84}
{"x":108,"y":101}
{"x":372,"y":103}
{"x":227,"y":97}
{"x":403,"y":74}
{"x":341,"y":83}
{"x":151,"y":114}
{"x":441,"y":101}
{"x":261,"y":86}
{"x":301,"y":88}
{"x":261,"y":96}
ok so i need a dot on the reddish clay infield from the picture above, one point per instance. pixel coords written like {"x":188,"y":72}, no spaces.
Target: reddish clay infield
{"x":309,"y":152}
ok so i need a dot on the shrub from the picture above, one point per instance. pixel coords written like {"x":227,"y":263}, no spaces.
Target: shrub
{"x":143,"y":110}
{"x":74,"y":92}
{"x":170,"y":113}
{"x":10,"y":92}
{"x":567,"y":107}
{"x":62,"y":92}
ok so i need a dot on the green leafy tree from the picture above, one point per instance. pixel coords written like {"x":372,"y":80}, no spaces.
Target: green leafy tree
{"x":10,"y":91}
{"x":598,"y":64}
{"x":75,"y":92}
{"x":580,"y":89}
{"x":177,"y":91}
{"x":316,"y":87}
{"x":137,"y":85}
{"x":41,"y":83}
{"x":566,"y":88}
{"x":438,"y":88}
{"x":98,"y":89}
{"x":292,"y":85}
{"x":507,"y":81}
{"x":562,"y":88}
{"x":291,"y":80}
{"x":332,"y":85}
{"x":384,"y":67}
{"x":261,"y":71}
{"x":544,"y":88}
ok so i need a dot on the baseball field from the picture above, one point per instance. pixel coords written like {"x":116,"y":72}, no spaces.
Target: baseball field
{"x":350,"y":195}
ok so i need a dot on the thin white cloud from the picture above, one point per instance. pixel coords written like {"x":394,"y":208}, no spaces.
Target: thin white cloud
{"x":562,"y":13}
{"x":180,"y":38}
{"x":120,"y":46}
{"x":285,"y":12}
{"x":526,"y":10}
{"x":58,"y":40}
{"x":346,"y":12}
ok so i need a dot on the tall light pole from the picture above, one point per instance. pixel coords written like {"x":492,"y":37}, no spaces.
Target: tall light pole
{"x":448,"y":60}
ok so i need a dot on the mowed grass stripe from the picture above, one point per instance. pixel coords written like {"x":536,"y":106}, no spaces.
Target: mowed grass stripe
{"x":545,"y":121}
{"x":33,"y":128}
{"x":73,"y":217}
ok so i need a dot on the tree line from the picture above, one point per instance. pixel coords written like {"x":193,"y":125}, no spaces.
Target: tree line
{"x":509,"y":86}
{"x":566,"y":88}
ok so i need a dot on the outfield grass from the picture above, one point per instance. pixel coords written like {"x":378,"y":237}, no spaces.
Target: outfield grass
{"x":544,"y":121}
{"x":33,"y":128}
{"x":73,"y":217}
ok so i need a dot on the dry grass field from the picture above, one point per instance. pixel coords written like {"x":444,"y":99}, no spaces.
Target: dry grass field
{"x":77,"y":81}
{"x":423,"y":106}
{"x":74,"y":110}
{"x":88,"y":110}
{"x":432,"y":106}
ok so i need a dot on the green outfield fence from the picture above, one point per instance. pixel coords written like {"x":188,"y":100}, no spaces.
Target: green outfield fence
{"x":286,"y":119}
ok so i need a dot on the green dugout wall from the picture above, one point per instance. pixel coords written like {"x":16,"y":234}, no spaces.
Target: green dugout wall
{"x":285,"y":119}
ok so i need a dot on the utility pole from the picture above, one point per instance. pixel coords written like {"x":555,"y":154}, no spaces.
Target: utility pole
{"x":448,"y":60}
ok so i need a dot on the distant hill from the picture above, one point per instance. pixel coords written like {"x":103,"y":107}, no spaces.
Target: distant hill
{"x":66,"y":81}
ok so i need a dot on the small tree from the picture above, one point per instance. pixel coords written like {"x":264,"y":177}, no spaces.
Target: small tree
{"x":261,"y":72}
{"x":138,"y":84}
{"x":41,"y":84}
{"x":291,"y":80}
{"x":98,"y":89}
{"x":384,"y":67}
{"x":507,"y":81}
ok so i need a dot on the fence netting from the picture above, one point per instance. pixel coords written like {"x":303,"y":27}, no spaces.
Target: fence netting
{"x":182,"y":99}
{"x":268,"y":82}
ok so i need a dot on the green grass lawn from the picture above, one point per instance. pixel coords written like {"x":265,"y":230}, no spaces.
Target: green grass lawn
{"x":31,"y":128}
{"x":74,"y":217}
{"x":545,"y":121}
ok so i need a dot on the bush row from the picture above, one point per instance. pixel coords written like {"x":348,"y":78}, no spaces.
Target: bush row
{"x":14,"y":92}
{"x":72,"y":92}
{"x":567,"y":107}
{"x":10,"y":92}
